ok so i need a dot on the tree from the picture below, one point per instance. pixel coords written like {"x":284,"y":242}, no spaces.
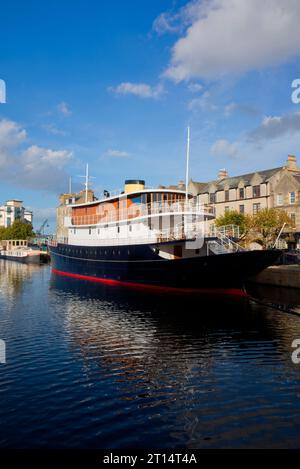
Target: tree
{"x":267,"y":223}
{"x":233,"y":218}
{"x":18,"y":230}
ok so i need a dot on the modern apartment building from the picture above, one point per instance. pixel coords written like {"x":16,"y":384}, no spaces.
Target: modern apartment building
{"x":13,"y":210}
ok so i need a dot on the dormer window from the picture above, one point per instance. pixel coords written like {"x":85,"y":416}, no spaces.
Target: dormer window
{"x":212,"y":198}
{"x":256,"y":191}
{"x":241,"y":193}
{"x":227,"y":196}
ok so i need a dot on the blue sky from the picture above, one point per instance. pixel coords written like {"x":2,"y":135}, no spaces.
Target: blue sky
{"x":115,"y":84}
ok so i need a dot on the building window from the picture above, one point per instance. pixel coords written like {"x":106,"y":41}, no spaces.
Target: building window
{"x":226,"y":209}
{"x":242,"y":208}
{"x":293,"y":219}
{"x":256,"y":208}
{"x":226,"y":196}
{"x":242,"y":193}
{"x":279,"y":199}
{"x":256,"y":191}
{"x":292,"y":197}
{"x":212,"y":198}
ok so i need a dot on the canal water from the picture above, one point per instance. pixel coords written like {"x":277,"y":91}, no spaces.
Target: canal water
{"x":100,"y":367}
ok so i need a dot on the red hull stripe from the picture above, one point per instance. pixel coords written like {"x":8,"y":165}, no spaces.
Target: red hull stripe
{"x":142,"y":286}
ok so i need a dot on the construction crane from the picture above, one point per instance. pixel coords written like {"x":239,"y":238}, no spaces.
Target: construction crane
{"x":40,"y":231}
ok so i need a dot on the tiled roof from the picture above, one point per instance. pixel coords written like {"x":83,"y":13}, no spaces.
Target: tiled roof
{"x":233,"y":182}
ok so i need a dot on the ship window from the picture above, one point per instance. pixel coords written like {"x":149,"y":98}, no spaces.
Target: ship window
{"x":197,"y":251}
{"x":90,"y":231}
{"x":130,"y":227}
{"x":118,"y":229}
{"x":74,"y":230}
{"x":136,"y":200}
{"x":105,"y":252}
{"x":98,"y":231}
{"x":113,"y":252}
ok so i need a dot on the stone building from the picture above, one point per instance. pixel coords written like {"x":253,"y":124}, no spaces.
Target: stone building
{"x":64,"y":209}
{"x":249,"y":193}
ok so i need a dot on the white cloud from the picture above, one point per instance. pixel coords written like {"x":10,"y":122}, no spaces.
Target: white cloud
{"x":202,"y":103}
{"x":235,"y":36}
{"x":52,"y":129}
{"x":195,"y":87}
{"x":11,"y":134}
{"x":273,"y":127}
{"x":64,"y":109}
{"x":224,"y":148}
{"x":141,"y":90}
{"x":34,"y":167}
{"x":176,"y":21}
{"x":241,"y":108}
{"x":117,"y":153}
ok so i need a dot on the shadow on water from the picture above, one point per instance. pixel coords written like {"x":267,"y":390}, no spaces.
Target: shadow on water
{"x":182,"y":313}
{"x":97,"y":366}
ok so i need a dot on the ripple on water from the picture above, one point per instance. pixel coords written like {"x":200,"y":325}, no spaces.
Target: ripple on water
{"x":92,"y":366}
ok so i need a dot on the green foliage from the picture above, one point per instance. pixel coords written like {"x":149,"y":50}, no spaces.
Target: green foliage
{"x":233,"y":218}
{"x":263,"y":227}
{"x":268,"y":223}
{"x":18,"y":230}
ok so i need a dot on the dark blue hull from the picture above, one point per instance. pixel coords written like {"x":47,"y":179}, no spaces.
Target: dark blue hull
{"x":140,"y":265}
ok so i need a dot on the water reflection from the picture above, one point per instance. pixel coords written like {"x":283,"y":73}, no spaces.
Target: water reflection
{"x":95,"y":366}
{"x":13,"y":275}
{"x":190,"y":356}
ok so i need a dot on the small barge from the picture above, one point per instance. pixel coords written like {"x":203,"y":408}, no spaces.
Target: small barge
{"x":18,"y":250}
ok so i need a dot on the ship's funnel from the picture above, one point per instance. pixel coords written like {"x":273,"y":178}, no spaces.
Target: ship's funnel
{"x":133,"y":185}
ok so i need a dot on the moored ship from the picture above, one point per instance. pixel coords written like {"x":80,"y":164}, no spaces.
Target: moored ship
{"x":18,"y":250}
{"x":154,"y":239}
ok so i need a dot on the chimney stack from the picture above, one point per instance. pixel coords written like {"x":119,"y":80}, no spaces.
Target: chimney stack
{"x":222,"y":174}
{"x":291,"y":163}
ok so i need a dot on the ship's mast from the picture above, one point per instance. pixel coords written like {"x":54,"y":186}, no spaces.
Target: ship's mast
{"x":86,"y":182}
{"x":187,"y":163}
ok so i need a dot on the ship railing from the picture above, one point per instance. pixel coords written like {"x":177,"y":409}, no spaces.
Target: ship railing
{"x":141,"y":210}
{"x":228,"y":243}
{"x":231,"y":231}
{"x":177,"y":233}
